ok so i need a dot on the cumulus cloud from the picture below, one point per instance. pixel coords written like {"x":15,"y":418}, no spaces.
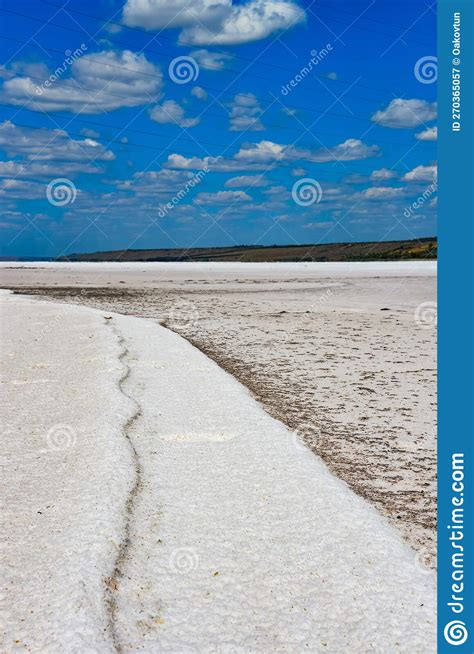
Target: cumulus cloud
{"x":20,"y":189}
{"x":218,"y":22}
{"x":20,"y":170}
{"x":157,"y":182}
{"x":259,"y":156}
{"x":102,"y":81}
{"x":350,"y":150}
{"x":383,"y":192}
{"x":216,"y":164}
{"x":422,"y":174}
{"x":222,"y":197}
{"x":199,"y":93}
{"x":382,"y":173}
{"x":429,"y":134}
{"x":405,"y":113}
{"x":267,"y":151}
{"x":298,"y":172}
{"x":245,"y":113}
{"x":171,"y":112}
{"x":163,"y":14}
{"x":276,"y":190}
{"x":322,"y":225}
{"x":247,"y":180}
{"x":50,"y":145}
{"x":91,"y":133}
{"x":210,"y":60}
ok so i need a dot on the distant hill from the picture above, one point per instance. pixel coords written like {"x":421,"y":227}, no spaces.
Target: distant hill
{"x":26,"y":258}
{"x":424,"y":248}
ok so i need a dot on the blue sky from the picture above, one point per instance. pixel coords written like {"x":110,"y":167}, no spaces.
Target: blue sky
{"x":286,"y":122}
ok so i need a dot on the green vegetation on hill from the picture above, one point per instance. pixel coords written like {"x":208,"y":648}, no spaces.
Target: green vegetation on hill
{"x":425,"y":248}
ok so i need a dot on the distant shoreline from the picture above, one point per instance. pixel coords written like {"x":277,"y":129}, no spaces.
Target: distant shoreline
{"x":415,"y":249}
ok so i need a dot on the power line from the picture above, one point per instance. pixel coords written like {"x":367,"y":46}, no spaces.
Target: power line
{"x":160,"y":77}
{"x":163,"y":54}
{"x":367,"y":28}
{"x":311,"y":110}
{"x":167,"y":136}
{"x":141,"y":31}
{"x":363,"y":17}
{"x":164,"y":150}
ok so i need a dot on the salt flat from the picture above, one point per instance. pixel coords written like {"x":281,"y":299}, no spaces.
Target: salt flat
{"x":153,"y":505}
{"x":345,"y":353}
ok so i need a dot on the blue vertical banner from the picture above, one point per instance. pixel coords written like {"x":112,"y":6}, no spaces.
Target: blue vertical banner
{"x":455,"y":326}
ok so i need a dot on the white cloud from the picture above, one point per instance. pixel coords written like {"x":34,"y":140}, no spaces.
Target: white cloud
{"x":102,"y":81}
{"x":247,"y":180}
{"x":216,"y":164}
{"x":171,"y":112}
{"x":382,"y":192}
{"x":247,"y":22}
{"x":276,"y":190}
{"x":156,"y":182}
{"x":245,"y":113}
{"x":222,"y":197}
{"x":421,"y":174}
{"x":382,"y":173}
{"x":405,"y":113}
{"x":350,"y":150}
{"x":259,"y":156}
{"x":210,"y":60}
{"x":266,"y":151}
{"x":50,"y":145}
{"x":217,"y":22}
{"x":199,"y":93}
{"x":323,"y":225}
{"x":429,"y":134}
{"x":298,"y":172}
{"x":49,"y":171}
{"x":20,"y":189}
{"x":91,"y":133}
{"x":163,"y":14}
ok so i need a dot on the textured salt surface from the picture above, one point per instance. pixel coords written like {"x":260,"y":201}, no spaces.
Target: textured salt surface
{"x":345,"y":353}
{"x":66,"y":471}
{"x":239,"y":539}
